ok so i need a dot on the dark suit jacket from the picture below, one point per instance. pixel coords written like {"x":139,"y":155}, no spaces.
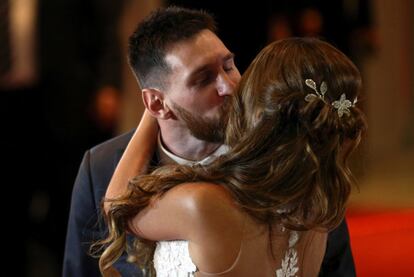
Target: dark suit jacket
{"x":86,"y":225}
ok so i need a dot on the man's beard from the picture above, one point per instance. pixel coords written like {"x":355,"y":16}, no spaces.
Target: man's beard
{"x":210,"y":130}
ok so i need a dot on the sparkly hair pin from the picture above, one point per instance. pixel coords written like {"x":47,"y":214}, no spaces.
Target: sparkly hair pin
{"x":311,"y":83}
{"x":342,"y":105}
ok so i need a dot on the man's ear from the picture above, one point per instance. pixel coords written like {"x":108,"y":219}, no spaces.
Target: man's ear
{"x":154,"y":102}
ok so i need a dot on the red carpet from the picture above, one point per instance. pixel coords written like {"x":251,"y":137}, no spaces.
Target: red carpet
{"x":382,"y":242}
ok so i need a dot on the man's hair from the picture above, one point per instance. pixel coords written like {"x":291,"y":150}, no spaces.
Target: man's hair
{"x":156,"y":34}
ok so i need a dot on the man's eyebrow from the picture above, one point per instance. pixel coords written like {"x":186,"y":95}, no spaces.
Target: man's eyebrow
{"x":229,"y":56}
{"x":205,"y":67}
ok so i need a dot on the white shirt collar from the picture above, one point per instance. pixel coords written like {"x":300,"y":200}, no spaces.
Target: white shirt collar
{"x":218,"y":152}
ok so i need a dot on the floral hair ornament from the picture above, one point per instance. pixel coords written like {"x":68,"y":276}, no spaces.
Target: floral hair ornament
{"x":311,"y":83}
{"x":342,"y":105}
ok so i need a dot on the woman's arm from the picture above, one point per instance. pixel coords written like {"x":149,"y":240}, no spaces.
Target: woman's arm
{"x":135,"y":159}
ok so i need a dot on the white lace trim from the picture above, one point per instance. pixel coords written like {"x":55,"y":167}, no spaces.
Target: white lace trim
{"x":172,"y":259}
{"x":290,"y":261}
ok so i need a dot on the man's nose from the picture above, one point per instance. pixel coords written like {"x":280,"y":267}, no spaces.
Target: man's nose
{"x":225,"y":85}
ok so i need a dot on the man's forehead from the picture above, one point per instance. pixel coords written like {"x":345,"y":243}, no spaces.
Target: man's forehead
{"x":194,"y":64}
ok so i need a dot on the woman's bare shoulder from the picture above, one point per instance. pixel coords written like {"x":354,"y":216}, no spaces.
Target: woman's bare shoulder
{"x":186,"y":211}
{"x":204,"y":197}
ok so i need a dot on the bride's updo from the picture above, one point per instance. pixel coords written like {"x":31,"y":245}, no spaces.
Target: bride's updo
{"x":293,"y":124}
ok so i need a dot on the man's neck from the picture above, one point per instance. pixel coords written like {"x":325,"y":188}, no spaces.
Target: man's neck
{"x":183,"y":144}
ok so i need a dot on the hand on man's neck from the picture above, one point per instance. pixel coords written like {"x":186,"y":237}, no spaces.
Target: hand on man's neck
{"x":182,"y":143}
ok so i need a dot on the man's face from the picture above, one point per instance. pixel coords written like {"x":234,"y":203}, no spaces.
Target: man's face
{"x":203,"y":78}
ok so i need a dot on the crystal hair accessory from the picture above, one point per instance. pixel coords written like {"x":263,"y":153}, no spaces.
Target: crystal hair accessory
{"x":342,"y":105}
{"x":311,"y":83}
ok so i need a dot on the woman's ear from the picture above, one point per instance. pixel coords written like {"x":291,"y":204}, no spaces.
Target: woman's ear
{"x":154,"y":102}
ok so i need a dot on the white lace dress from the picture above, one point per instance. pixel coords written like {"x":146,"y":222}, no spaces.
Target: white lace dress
{"x":172,"y":259}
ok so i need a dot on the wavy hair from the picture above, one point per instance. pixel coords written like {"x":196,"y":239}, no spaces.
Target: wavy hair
{"x":288,"y":157}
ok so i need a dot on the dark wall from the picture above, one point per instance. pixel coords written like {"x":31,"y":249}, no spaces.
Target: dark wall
{"x":244,"y":25}
{"x":48,"y":124}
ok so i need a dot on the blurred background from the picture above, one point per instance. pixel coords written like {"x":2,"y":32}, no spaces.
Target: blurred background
{"x":65,"y":86}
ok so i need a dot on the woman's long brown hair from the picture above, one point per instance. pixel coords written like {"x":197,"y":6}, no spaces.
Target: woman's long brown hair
{"x":288,"y":157}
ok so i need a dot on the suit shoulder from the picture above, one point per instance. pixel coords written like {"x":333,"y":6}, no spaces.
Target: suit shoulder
{"x":112,"y":145}
{"x":103,"y":159}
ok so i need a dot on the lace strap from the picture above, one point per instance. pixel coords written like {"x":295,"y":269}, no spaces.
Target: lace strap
{"x":289,"y":265}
